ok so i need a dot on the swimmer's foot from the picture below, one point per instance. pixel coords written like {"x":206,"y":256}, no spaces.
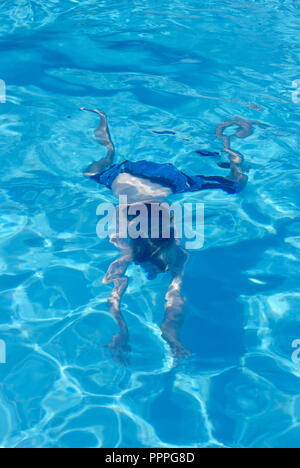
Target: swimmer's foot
{"x":95,"y":111}
{"x":120,"y":348}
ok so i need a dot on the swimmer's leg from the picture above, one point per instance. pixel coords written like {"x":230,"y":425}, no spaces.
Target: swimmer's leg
{"x":236,"y":165}
{"x":236,"y":180}
{"x":222,"y":183}
{"x":245,"y":129}
{"x":103,"y":136}
{"x":220,"y":131}
{"x":174,"y":314}
{"x":116,"y":275}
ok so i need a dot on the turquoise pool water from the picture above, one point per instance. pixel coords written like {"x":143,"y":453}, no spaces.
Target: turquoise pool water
{"x":150,"y":65}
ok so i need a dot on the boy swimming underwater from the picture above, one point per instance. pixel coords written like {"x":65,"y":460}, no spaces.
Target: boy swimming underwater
{"x":147,"y":184}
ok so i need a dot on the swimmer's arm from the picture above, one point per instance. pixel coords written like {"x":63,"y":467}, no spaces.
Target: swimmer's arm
{"x":174,"y":314}
{"x":103,"y":136}
{"x":116,"y":275}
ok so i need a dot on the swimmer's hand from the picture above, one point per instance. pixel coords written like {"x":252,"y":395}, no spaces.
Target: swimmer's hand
{"x":120,"y":348}
{"x":177,"y":349}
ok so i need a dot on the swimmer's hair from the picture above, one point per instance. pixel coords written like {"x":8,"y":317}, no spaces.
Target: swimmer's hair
{"x":153,"y":251}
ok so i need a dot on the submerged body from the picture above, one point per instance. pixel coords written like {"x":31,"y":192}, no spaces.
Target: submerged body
{"x":152,"y":180}
{"x":138,"y":189}
{"x":146,"y":184}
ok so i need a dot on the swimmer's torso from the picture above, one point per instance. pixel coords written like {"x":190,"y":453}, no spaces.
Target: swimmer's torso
{"x":145,"y":180}
{"x":138,"y":189}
